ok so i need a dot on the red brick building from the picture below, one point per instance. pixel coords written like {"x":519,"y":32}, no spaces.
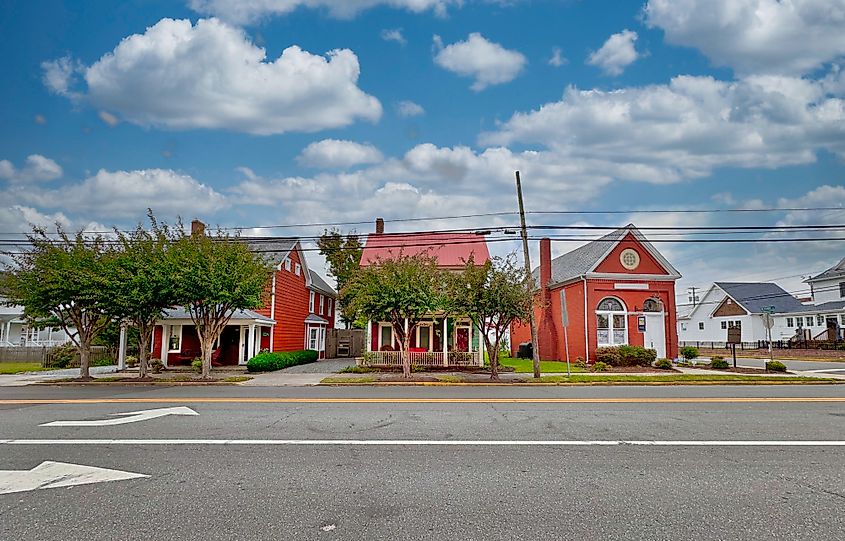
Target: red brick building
{"x":300,"y":309}
{"x":616,"y":290}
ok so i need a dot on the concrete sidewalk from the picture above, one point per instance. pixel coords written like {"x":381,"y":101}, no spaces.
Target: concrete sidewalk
{"x":28,"y":378}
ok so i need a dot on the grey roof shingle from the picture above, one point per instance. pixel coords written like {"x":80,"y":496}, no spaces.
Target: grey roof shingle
{"x":580,"y":260}
{"x":320,"y":285}
{"x":835,"y":271}
{"x":756,"y":296}
{"x":238,"y":315}
{"x":273,"y":248}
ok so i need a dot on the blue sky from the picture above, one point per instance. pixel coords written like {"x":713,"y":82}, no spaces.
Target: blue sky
{"x":200,"y":109}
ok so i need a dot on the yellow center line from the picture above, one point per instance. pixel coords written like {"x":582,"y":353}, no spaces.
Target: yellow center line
{"x":318,"y":400}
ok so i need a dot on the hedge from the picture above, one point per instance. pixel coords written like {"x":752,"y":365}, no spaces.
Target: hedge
{"x":626,"y":356}
{"x":268,"y":362}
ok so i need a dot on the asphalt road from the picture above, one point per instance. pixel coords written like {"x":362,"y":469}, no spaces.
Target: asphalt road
{"x":793,"y":364}
{"x":314,"y":488}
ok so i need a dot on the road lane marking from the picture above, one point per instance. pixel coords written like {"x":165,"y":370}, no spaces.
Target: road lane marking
{"x":127,"y":417}
{"x":319,"y":400}
{"x":463,"y":443}
{"x":59,"y":475}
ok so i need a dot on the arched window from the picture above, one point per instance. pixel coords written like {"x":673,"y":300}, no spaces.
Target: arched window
{"x":652,"y":305}
{"x":612,"y":322}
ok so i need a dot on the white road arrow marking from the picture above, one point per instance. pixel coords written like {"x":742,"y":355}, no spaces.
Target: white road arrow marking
{"x":128,"y":417}
{"x":58,"y":474}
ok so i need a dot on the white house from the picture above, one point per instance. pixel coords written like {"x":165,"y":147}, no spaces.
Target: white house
{"x":14,"y":330}
{"x":736,"y":304}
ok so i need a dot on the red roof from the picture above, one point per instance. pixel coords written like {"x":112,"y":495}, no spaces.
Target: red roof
{"x":450,"y":249}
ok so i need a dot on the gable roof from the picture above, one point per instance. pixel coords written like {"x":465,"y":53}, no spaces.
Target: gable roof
{"x":451,"y":250}
{"x":836,"y":271}
{"x":321,"y":285}
{"x":583,"y":260}
{"x":756,"y":296}
{"x":274,"y":248}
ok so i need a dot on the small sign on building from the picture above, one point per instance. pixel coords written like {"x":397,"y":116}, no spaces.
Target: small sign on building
{"x":641,"y":323}
{"x":734,"y":335}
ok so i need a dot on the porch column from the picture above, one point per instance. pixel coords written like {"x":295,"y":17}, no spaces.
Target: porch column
{"x":250,"y":347}
{"x":7,"y":336}
{"x":408,"y":339}
{"x":369,"y":339}
{"x":445,"y":341}
{"x":165,"y":338}
{"x":121,"y":351}
{"x":241,"y":359}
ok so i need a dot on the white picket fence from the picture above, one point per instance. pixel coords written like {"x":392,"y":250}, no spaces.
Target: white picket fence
{"x":424,"y":358}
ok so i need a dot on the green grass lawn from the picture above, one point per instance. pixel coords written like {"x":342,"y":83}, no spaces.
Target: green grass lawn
{"x":17,"y":368}
{"x":682,"y":378}
{"x":527,"y":366}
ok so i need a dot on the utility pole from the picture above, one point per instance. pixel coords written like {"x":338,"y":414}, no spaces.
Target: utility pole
{"x":694,"y":299}
{"x":529,"y":277}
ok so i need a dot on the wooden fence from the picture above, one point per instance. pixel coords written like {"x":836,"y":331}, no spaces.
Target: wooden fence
{"x":344,"y":343}
{"x":44,"y":355}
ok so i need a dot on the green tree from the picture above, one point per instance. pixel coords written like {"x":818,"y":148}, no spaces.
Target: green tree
{"x":343,"y":254}
{"x":213,"y":277}
{"x":493,"y":296}
{"x":142,"y":283}
{"x":66,"y":278}
{"x":401,"y":290}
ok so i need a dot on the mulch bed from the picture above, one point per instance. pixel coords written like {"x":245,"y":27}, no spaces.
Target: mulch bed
{"x":740,"y":370}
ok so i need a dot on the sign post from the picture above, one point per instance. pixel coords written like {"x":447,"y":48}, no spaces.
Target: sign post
{"x":734,"y":338}
{"x":769,"y":322}
{"x":564,"y":316}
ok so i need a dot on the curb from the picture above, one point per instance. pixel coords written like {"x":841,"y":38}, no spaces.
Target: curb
{"x":138,"y":383}
{"x":785,"y":381}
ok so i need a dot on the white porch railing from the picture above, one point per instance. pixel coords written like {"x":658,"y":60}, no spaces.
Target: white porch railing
{"x":428,"y":359}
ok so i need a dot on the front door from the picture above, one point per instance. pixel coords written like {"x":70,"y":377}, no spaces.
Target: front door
{"x":462,"y":339}
{"x":655,"y":333}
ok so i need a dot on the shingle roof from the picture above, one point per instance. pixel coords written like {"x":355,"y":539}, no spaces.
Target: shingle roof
{"x":835,"y":271}
{"x":756,"y":296}
{"x":823,"y":307}
{"x":273,"y":248}
{"x":320,"y":285}
{"x":238,"y":315}
{"x":450,"y":249}
{"x":579,"y":261}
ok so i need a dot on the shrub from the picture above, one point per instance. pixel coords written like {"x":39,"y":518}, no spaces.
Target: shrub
{"x":626,"y":356}
{"x":689,"y":353}
{"x":103,"y":362}
{"x":601,"y":367}
{"x":718,"y":362}
{"x":579,"y":363}
{"x":157,"y":366}
{"x":268,"y":362}
{"x":63,"y":355}
{"x":663,"y":364}
{"x":775,"y":366}
{"x":131,"y":360}
{"x":356,"y":370}
{"x":196,"y":365}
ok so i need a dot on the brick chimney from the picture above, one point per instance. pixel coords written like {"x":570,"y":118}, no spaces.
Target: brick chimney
{"x":197,"y":228}
{"x":546,"y":329}
{"x":379,"y":226}
{"x":545,"y":263}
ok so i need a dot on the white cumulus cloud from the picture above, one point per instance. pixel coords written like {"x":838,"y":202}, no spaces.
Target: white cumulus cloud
{"x":617,"y":53}
{"x":393,"y":34}
{"x":248,"y":11}
{"x":330,"y":153}
{"x":407,"y":108}
{"x":37,"y":168}
{"x":209,"y":75}
{"x":557,"y":59}
{"x":487,"y":62}
{"x":755,"y":36}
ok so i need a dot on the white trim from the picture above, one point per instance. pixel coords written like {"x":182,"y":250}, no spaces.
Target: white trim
{"x":673,"y":273}
{"x":180,"y":339}
{"x":311,"y":295}
{"x":369,"y":335}
{"x":165,"y":337}
{"x":611,"y":329}
{"x":638,"y":287}
{"x":626,"y":276}
{"x":430,"y":327}
{"x":381,"y":325}
{"x":297,"y":269}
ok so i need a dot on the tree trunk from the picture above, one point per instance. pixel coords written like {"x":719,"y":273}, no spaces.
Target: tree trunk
{"x":84,"y":359}
{"x":144,"y":351}
{"x":206,"y":343}
{"x":493,"y":353}
{"x":406,"y":358}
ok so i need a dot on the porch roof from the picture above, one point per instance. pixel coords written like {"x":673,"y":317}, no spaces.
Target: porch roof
{"x":316,"y":319}
{"x":240,"y":316}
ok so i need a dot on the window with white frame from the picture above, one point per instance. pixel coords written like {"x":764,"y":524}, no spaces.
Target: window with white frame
{"x":842,"y":289}
{"x":700,"y":325}
{"x":385,"y":335}
{"x":311,"y":301}
{"x":329,"y":310}
{"x":424,"y":337}
{"x":809,"y":321}
{"x":820,"y":320}
{"x":683,"y":326}
{"x":314,"y":338}
{"x":724,"y":324}
{"x":297,"y":269}
{"x":174,"y":339}
{"x":287,"y":264}
{"x":790,"y":323}
{"x":611,"y":323}
{"x":322,"y":301}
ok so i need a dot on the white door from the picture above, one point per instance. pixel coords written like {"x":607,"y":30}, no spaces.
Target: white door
{"x":655,"y":333}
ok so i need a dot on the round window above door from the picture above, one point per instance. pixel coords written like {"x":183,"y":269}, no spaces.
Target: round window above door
{"x":629,"y":258}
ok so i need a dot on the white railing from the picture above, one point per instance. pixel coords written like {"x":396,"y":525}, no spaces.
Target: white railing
{"x":427,"y":359}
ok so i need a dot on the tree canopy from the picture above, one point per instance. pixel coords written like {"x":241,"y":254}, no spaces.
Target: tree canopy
{"x":343,"y":253}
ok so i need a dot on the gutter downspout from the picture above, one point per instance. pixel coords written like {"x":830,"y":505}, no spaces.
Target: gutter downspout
{"x":273,"y":308}
{"x":586,"y":330}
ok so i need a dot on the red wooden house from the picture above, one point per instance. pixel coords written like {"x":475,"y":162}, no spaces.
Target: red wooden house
{"x":439,"y":340}
{"x":300,"y":309}
{"x":616,"y":290}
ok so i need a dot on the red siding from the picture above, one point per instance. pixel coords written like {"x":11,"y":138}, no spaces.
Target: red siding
{"x":648,"y":264}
